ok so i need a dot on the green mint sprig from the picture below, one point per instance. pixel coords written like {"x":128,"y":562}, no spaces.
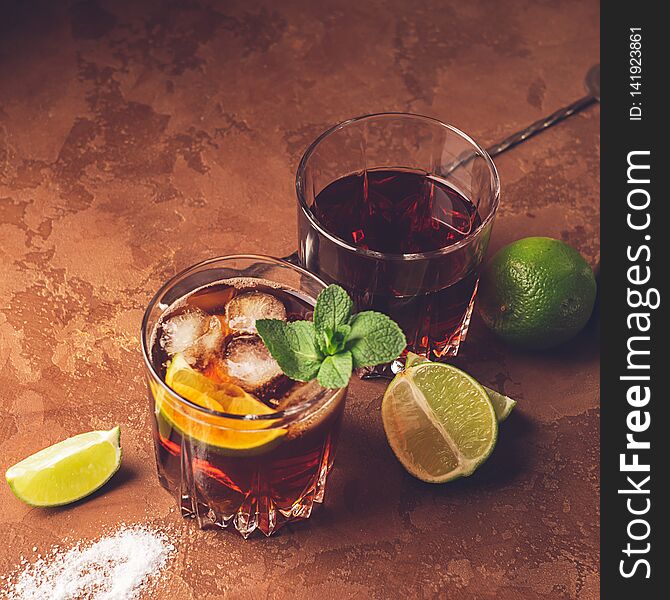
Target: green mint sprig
{"x":335,"y":343}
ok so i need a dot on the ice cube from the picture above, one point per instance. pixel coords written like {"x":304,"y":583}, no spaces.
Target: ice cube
{"x":243,"y":310}
{"x":301,"y":393}
{"x":326,"y":401}
{"x":250,"y":364}
{"x":195,"y":334}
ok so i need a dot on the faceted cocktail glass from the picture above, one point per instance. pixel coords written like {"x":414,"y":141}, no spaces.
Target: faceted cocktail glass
{"x":282,"y":470}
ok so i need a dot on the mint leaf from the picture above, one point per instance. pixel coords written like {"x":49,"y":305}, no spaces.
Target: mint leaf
{"x":293,"y":346}
{"x":333,"y":308}
{"x":332,"y":343}
{"x":336,"y":370}
{"x":374,"y":339}
{"x":339,"y":338}
{"x":335,"y":343}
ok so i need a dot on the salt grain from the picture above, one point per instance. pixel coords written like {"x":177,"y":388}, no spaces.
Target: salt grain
{"x":116,"y":567}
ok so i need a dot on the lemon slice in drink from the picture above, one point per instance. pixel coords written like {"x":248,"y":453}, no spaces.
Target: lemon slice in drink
{"x":439,"y":421}
{"x":67,"y":471}
{"x":502,"y":404}
{"x":234,"y":435}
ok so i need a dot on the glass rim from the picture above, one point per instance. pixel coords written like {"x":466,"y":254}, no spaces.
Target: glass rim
{"x":299,"y":186}
{"x":297,"y":409}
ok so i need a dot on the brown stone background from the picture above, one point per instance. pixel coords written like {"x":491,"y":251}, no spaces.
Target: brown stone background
{"x":139,"y":137}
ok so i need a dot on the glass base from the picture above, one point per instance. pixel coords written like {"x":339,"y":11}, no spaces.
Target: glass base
{"x":267,"y":519}
{"x":256,"y":511}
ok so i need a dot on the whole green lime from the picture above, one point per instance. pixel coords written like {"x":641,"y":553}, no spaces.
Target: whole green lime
{"x":537,"y":292}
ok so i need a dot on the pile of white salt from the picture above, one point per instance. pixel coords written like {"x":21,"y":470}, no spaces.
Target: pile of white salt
{"x":116,"y":567}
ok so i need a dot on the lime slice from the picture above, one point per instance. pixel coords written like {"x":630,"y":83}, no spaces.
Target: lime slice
{"x":67,"y":471}
{"x":414,"y":359}
{"x":502,"y":405}
{"x":232,"y":435}
{"x":439,"y":421}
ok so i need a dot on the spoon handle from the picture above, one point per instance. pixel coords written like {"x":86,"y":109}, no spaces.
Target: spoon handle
{"x":541,"y":125}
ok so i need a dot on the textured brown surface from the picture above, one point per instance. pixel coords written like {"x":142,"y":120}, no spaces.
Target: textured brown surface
{"x":137,"y":138}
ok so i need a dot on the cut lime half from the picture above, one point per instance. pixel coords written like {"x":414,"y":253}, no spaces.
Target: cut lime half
{"x":67,"y":471}
{"x":439,"y":421}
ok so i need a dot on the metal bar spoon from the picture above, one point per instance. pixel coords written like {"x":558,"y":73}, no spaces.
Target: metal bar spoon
{"x":592,"y":84}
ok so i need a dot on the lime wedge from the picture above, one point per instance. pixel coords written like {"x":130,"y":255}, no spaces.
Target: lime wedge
{"x":414,"y":359}
{"x":439,"y":421}
{"x":67,"y":471}
{"x":502,"y":405}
